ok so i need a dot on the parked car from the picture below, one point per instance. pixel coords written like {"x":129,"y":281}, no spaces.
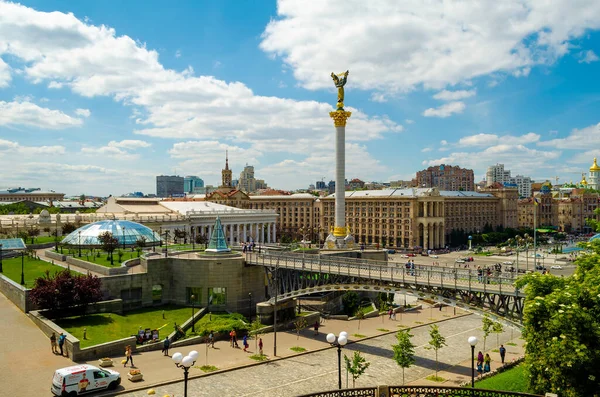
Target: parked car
{"x":459,"y":260}
{"x":433,"y":256}
{"x":390,"y":251}
{"x":559,"y":267}
{"x":82,"y":379}
{"x":411,"y":254}
{"x":540,"y":267}
{"x":507,"y":263}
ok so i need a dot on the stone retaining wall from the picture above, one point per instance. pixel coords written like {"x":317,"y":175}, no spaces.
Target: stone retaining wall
{"x":16,"y":293}
{"x":105,"y":271}
{"x":55,"y":255}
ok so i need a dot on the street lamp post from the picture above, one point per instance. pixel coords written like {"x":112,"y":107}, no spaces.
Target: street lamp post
{"x":123,"y":238}
{"x":22,"y":268}
{"x":192,"y":232}
{"x":250,"y":298}
{"x":1,"y":270}
{"x":192,"y":298}
{"x":472,"y":341}
{"x":342,"y":339}
{"x":185,"y":363}
{"x":79,"y":241}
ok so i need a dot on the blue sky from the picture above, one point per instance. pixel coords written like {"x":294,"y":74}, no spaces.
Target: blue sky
{"x":100,"y":97}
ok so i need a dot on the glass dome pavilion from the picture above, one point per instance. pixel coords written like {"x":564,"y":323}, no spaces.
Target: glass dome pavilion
{"x":127,"y":232}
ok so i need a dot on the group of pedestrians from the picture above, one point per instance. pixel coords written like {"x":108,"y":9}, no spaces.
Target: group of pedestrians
{"x":392,"y":314}
{"x":58,"y":343}
{"x":484,"y":362}
{"x":249,"y":247}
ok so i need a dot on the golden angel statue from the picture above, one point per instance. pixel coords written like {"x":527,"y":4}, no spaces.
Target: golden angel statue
{"x":339,"y":81}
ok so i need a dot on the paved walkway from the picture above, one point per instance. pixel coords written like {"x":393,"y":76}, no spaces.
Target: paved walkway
{"x":317,"y":371}
{"x":27,"y":363}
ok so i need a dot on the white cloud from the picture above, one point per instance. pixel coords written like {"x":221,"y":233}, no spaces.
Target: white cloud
{"x":178,"y":54}
{"x":93,"y":61}
{"x":399,"y":45}
{"x":588,"y":57}
{"x":83,"y":112}
{"x":443,"y":142}
{"x":5,"y":77}
{"x":30,"y":114}
{"x":10,"y":147}
{"x":378,"y":97}
{"x":409,"y":121}
{"x":577,"y":139}
{"x":446,"y":95}
{"x":121,"y":149}
{"x":493,"y":139}
{"x":425,"y":150}
{"x":445,"y":110}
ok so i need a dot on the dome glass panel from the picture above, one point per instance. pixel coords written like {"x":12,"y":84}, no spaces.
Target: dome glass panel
{"x":126,"y":232}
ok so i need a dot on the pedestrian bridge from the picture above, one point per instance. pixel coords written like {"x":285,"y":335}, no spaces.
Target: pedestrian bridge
{"x":418,"y":391}
{"x":292,"y":275}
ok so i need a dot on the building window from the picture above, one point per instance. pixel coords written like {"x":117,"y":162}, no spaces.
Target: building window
{"x":196,"y":292}
{"x":217,"y":296}
{"x":156,"y":293}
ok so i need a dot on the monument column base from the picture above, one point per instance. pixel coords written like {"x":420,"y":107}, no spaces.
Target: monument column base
{"x":333,"y":242}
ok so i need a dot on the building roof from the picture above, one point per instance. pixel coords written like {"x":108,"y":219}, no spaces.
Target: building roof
{"x":594,"y":166}
{"x":184,"y":207}
{"x":284,"y":197}
{"x":412,"y":192}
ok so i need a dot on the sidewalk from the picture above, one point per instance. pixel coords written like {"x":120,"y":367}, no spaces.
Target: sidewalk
{"x":158,"y":369}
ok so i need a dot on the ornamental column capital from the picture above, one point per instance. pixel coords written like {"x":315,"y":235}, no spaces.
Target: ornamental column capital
{"x":339,"y":117}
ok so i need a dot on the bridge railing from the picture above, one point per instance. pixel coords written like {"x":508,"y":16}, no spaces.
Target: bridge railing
{"x":377,"y":270}
{"x":418,"y":391}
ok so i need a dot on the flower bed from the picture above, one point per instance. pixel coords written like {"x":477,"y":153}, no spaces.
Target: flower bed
{"x":135,"y":375}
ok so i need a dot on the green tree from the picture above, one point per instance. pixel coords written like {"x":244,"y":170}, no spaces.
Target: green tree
{"x":68,"y":228}
{"x":33,"y":233}
{"x":140,"y":243}
{"x":356,"y":366}
{"x":300,"y":324}
{"x":360,"y":315}
{"x":109,"y":243}
{"x":351,"y":301}
{"x":404,"y":351}
{"x":561,"y":318}
{"x":383,"y":308}
{"x":486,"y":327}
{"x":436,"y":342}
{"x":497,"y":328}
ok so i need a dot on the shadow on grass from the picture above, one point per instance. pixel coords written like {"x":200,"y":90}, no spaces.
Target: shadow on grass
{"x":88,"y":320}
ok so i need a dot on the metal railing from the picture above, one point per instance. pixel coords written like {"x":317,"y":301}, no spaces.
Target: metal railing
{"x":417,"y":391}
{"x":457,"y":278}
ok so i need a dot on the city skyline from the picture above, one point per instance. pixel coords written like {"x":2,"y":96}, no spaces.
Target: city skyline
{"x":102,"y":100}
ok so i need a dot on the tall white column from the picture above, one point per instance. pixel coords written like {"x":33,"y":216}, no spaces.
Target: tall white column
{"x":274,"y":232}
{"x":244,"y":231}
{"x":339,"y":118}
{"x":268,"y":233}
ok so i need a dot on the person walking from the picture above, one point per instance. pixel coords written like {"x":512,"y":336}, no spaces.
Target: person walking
{"x":502,"y":353}
{"x":231,"y":338}
{"x":61,"y":342}
{"x":53,"y":343}
{"x":245,"y":343}
{"x":486,"y":363}
{"x":166,"y":344}
{"x":390,"y":311}
{"x":128,"y":356}
{"x":317,"y":327}
{"x":211,"y":339}
{"x":235,"y":339}
{"x":260,"y":346}
{"x":480,"y":363}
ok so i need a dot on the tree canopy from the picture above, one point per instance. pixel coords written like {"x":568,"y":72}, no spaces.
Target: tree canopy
{"x":63,"y":290}
{"x":562,"y":329}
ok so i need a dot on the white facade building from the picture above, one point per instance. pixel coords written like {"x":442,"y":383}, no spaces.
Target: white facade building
{"x":497,"y":174}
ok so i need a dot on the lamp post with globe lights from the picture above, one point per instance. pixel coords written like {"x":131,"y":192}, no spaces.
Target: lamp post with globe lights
{"x":342,"y":339}
{"x":472,"y":341}
{"x":185,"y":363}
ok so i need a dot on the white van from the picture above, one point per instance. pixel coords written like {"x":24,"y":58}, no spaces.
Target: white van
{"x":81,"y":379}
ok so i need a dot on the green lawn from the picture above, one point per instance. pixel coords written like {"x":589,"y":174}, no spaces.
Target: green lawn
{"x":218,"y":322}
{"x":107,"y":327}
{"x":511,"y":380}
{"x":100,"y":257}
{"x":32,"y":268}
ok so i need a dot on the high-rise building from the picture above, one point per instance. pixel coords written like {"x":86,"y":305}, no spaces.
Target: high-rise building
{"x":497,"y":174}
{"x":169,"y":186}
{"x":321,"y":185}
{"x":248,"y":183}
{"x":446,"y":177}
{"x":191,"y":183}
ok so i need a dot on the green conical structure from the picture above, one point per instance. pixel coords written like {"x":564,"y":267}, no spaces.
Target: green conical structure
{"x":218,"y":243}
